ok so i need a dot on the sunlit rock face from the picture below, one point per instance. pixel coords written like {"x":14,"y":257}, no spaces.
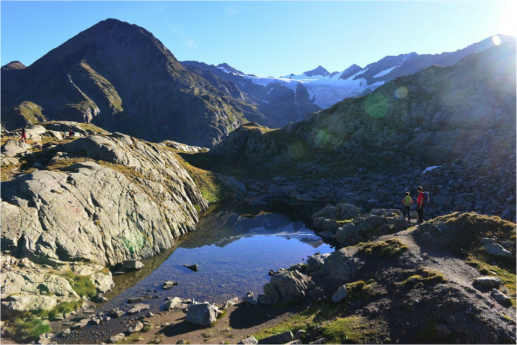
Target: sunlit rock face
{"x":114,"y":198}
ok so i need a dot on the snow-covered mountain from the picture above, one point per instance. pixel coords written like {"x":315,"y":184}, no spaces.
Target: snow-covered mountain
{"x":322,"y":89}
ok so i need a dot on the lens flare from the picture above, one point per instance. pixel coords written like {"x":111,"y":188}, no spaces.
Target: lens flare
{"x":321,"y":137}
{"x":297,"y":150}
{"x":401,"y":92}
{"x":376,"y":105}
{"x":496,"y":39}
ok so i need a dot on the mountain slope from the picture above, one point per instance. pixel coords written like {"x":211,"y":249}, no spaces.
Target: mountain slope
{"x":278,"y":102}
{"x":436,"y":115}
{"x":119,"y":76}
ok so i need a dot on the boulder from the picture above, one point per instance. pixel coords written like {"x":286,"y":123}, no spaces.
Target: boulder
{"x":342,"y":265}
{"x":329,"y":225}
{"x":315,"y":261}
{"x":173,"y":303}
{"x":202,"y":314}
{"x":14,"y":147}
{"x":116,"y":313}
{"x":136,"y":328}
{"x":46,"y":339}
{"x":29,"y":302}
{"x":230,"y":302}
{"x":339,"y":294}
{"x":103,"y":282}
{"x":347,"y":211}
{"x":248,"y":340}
{"x":488,"y":282}
{"x":290,"y":286}
{"x":501,"y":297}
{"x":133,"y":265}
{"x":278,"y":339}
{"x":138,"y":308}
{"x":80,"y":324}
{"x":498,"y":250}
{"x":116,"y":338}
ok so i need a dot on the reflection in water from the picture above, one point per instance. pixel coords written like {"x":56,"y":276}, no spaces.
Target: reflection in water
{"x":234,"y":254}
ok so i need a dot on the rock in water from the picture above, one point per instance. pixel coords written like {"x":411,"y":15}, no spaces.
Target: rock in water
{"x":138,"y":308}
{"x":168,"y":285}
{"x":202,"y":314}
{"x":192,"y":267}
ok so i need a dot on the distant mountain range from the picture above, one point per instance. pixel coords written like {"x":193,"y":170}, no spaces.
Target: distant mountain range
{"x":327,"y":88}
{"x":120,"y":77}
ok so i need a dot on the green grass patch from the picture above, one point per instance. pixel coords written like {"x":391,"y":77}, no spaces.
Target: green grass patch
{"x":353,"y":330}
{"x":81,"y":284}
{"x":26,"y":330}
{"x":422,"y":276}
{"x":346,"y":221}
{"x":147,"y":328}
{"x":386,"y":249}
{"x":59,"y":310}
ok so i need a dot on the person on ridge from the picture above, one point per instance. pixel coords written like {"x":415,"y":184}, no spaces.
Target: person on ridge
{"x":420,"y":202}
{"x":70,"y":133}
{"x":407,"y":201}
{"x":23,"y":135}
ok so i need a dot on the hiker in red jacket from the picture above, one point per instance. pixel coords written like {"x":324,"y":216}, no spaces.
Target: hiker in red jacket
{"x":23,"y":135}
{"x":407,"y":201}
{"x":421,"y":202}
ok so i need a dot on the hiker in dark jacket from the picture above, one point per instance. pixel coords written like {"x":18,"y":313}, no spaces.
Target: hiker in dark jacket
{"x":421,"y":202}
{"x":23,"y":135}
{"x":407,"y":201}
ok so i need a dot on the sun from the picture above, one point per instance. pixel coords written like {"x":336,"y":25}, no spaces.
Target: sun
{"x":508,"y":24}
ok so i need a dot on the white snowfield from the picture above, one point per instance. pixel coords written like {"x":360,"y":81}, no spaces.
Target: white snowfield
{"x":432,"y":168}
{"x":323,"y":90}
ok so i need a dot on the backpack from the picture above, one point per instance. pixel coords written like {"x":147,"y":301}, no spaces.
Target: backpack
{"x":407,"y":201}
{"x":426,"y":198}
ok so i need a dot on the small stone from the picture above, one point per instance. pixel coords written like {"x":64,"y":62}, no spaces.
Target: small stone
{"x":248,"y":340}
{"x":250,"y":300}
{"x":149,"y":314}
{"x":278,"y":339}
{"x":168,"y":285}
{"x":116,"y":338}
{"x":339,"y":294}
{"x":115,"y":312}
{"x":194,"y":267}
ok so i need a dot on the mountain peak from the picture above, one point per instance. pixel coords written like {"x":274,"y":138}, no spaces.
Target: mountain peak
{"x":228,"y":69}
{"x":13,"y":65}
{"x":317,"y":71}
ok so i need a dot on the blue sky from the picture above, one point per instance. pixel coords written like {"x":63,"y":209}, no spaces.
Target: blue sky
{"x":265,"y":38}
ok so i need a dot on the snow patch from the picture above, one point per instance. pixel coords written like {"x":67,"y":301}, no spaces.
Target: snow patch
{"x":386,"y":71}
{"x":432,"y":168}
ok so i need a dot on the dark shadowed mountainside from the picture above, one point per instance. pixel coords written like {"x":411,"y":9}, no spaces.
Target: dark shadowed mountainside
{"x":119,"y":76}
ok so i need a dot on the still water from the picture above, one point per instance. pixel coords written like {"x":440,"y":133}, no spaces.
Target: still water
{"x":234,"y":252}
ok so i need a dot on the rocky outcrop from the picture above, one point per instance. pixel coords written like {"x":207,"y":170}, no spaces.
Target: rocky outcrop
{"x":118,"y":198}
{"x":14,"y":147}
{"x":27,"y":285}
